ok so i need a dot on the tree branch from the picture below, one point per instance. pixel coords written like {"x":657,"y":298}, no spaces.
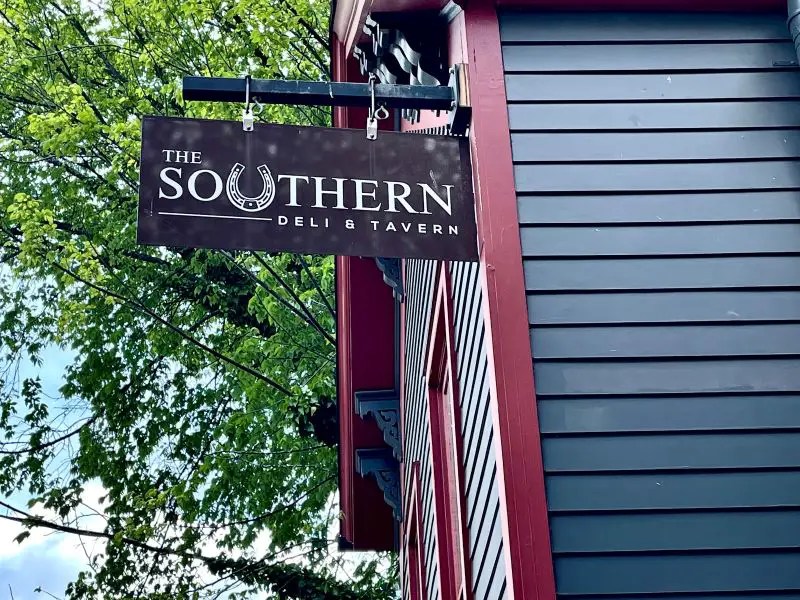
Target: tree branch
{"x":292,"y":580}
{"x":49,"y":443}
{"x":315,"y":283}
{"x":301,"y":312}
{"x":294,"y":296}
{"x":137,"y":305}
{"x":30,"y":520}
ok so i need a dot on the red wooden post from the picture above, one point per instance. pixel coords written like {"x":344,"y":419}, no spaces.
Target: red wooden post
{"x":523,"y":506}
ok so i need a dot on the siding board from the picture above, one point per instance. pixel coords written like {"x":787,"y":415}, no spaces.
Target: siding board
{"x":659,"y":203}
{"x":646,"y":240}
{"x":588,"y":274}
{"x":640,"y":57}
{"x":528,"y":27}
{"x":683,"y":413}
{"x":673,"y":491}
{"x":653,"y":177}
{"x":666,"y":341}
{"x":654,"y":209}
{"x":632,"y":116}
{"x":720,"y":306}
{"x":671,"y":452}
{"x":653,"y":88}
{"x":651,"y":146}
{"x":675,"y":531}
{"x":705,"y":572}
{"x":667,"y":377}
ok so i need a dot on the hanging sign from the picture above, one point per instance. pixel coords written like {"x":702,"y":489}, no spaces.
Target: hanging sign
{"x":316,"y":190}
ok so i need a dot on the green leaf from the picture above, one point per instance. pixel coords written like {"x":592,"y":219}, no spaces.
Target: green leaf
{"x":22,"y":537}
{"x":193,"y":454}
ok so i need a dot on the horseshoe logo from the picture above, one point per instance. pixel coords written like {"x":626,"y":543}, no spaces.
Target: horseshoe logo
{"x":248,"y":203}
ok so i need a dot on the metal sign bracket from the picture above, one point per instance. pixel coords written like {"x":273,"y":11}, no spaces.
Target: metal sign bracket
{"x":452,"y":98}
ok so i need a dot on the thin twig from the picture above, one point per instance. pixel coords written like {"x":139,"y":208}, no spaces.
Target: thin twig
{"x":316,"y":285}
{"x":292,"y":293}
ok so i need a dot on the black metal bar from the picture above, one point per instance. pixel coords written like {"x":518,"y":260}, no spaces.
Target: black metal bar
{"x":317,"y":93}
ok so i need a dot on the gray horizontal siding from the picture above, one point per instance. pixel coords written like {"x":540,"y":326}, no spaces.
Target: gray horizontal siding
{"x":670,"y":451}
{"x":666,"y":177}
{"x":649,"y":240}
{"x":639,"y":57}
{"x":532,"y":27}
{"x":667,"y":377}
{"x":651,"y":87}
{"x":718,"y":306}
{"x":657,"y":209}
{"x":662,"y":414}
{"x":482,"y":501}
{"x":633,"y":116}
{"x":577,"y":534}
{"x":652,"y":146}
{"x":666,"y":341}
{"x":653,"y":274}
{"x":707,"y":572}
{"x":658,"y":177}
{"x":586,"y":492}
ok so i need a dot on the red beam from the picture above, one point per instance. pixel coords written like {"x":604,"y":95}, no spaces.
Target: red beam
{"x":365,"y":360}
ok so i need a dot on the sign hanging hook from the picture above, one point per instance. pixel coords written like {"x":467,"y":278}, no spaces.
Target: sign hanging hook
{"x":247,"y":115}
{"x":257,"y":106}
{"x":374,"y":115}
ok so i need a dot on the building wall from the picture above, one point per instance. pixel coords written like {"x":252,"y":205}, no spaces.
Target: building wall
{"x":482,"y":503}
{"x":481,"y":500}
{"x":659,"y":204}
{"x":419,"y":282}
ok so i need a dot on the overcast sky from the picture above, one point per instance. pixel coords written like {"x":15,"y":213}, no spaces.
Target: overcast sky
{"x":44,"y":559}
{"x":51,"y":560}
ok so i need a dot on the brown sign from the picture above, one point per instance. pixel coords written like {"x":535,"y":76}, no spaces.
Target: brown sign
{"x":209,"y":184}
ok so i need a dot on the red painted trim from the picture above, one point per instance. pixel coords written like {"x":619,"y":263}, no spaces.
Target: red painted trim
{"x":647,"y":5}
{"x":343,"y":342}
{"x":365,"y":361}
{"x":345,"y":390}
{"x":414,"y":546}
{"x":401,"y":414}
{"x":447,"y":452}
{"x":523,"y":506}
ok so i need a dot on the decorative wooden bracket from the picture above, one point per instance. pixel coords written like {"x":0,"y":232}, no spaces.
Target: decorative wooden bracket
{"x":410,"y":49}
{"x":384,"y":407}
{"x":392,"y":275}
{"x":380,"y":464}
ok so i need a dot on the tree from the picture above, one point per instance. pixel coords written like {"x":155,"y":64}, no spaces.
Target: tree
{"x":201,"y":393}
